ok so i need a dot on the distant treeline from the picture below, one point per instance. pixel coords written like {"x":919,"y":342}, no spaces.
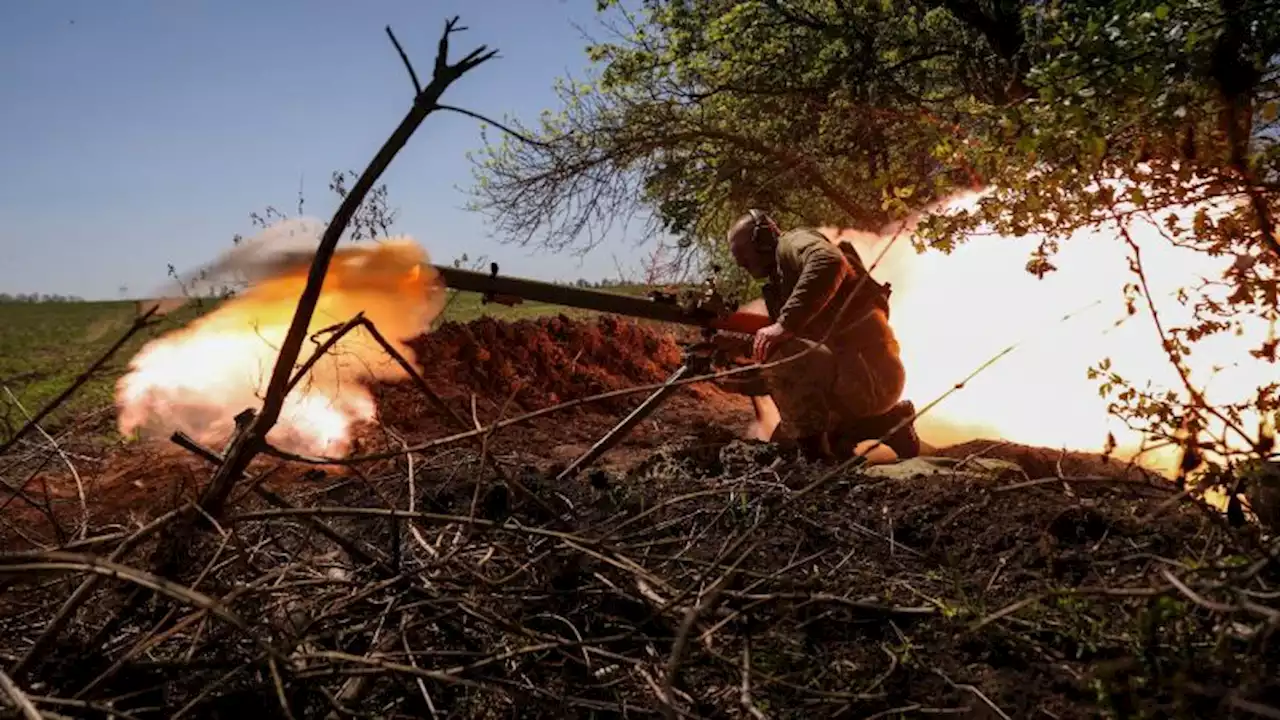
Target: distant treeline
{"x":38,"y":298}
{"x":584,"y":283}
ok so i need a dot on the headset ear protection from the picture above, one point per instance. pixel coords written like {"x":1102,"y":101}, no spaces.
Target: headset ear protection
{"x":761,"y":221}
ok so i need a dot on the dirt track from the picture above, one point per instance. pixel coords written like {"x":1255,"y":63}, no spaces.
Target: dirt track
{"x":861,"y":597}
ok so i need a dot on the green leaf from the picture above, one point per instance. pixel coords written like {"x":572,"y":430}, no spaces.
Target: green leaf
{"x":1162,"y":12}
{"x":1098,"y":147}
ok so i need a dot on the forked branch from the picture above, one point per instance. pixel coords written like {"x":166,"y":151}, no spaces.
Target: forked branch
{"x":408,"y":64}
{"x":249,"y":442}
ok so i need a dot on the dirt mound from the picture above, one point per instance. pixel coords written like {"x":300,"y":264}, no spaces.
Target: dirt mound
{"x":488,"y":370}
{"x":546,"y":361}
{"x":1039,"y":462}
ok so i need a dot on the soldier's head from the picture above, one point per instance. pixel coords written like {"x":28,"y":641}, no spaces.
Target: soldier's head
{"x":753,"y":240}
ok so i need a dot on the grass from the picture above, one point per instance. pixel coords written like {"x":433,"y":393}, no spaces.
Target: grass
{"x":45,"y":346}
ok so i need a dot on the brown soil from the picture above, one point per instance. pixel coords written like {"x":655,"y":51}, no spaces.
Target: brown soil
{"x":485,"y":370}
{"x":546,"y":361}
{"x":1045,"y":462}
{"x":512,"y":367}
{"x":861,"y":597}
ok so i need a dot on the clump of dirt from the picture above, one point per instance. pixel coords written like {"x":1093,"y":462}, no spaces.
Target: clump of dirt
{"x":1039,"y":462}
{"x":548,"y":360}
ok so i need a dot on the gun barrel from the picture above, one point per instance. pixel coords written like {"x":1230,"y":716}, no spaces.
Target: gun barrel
{"x":581,"y":298}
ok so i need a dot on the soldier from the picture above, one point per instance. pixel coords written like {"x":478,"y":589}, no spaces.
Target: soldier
{"x":847,"y":382}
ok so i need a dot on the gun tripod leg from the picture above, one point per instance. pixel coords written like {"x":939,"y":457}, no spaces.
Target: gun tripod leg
{"x":628,"y":423}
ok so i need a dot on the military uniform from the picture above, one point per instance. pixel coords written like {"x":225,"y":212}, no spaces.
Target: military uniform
{"x":855,"y":372}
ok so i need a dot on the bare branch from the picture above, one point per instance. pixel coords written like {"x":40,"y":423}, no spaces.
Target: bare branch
{"x":19,"y":698}
{"x":75,"y":474}
{"x":57,"y":561}
{"x":246,"y":444}
{"x":504,"y":128}
{"x":85,"y":590}
{"x":408,"y":65}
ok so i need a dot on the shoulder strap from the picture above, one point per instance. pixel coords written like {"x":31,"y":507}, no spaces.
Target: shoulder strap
{"x":872,"y":289}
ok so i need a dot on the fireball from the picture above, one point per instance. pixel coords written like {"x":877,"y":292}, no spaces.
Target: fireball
{"x":197,"y":378}
{"x":953,"y":312}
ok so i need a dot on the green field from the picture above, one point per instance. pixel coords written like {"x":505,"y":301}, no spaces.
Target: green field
{"x":45,"y":346}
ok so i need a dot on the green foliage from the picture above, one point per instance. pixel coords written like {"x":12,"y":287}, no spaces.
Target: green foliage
{"x":832,"y":113}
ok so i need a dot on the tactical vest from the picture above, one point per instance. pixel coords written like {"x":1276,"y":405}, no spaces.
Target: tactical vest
{"x":870,"y":292}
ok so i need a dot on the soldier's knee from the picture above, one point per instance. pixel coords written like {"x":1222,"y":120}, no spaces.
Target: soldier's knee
{"x":869,"y":384}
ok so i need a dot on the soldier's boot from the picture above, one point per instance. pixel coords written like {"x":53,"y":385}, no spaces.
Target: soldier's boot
{"x":905,"y":443}
{"x":808,"y":444}
{"x":815,"y":448}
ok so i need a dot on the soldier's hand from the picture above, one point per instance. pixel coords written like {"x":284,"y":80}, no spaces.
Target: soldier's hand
{"x":767,"y":339}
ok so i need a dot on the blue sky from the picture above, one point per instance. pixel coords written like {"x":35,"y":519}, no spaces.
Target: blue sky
{"x":138,"y":133}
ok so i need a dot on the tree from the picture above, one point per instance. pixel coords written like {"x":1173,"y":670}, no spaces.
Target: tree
{"x":817,"y":111}
{"x":1065,"y":113}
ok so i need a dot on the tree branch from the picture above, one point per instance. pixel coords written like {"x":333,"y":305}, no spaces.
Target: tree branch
{"x":249,"y":442}
{"x":19,"y":698}
{"x":408,"y":65}
{"x":794,"y":16}
{"x":504,"y":128}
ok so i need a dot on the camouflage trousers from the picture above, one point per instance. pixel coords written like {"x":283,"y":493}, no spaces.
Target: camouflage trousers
{"x":818,"y":390}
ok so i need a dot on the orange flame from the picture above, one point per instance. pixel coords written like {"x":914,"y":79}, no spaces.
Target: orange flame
{"x":954,"y":312}
{"x":197,"y":378}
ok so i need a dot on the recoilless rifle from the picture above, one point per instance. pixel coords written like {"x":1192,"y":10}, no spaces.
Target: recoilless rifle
{"x":705,"y":308}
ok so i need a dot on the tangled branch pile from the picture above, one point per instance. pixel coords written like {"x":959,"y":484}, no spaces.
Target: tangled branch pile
{"x":713,"y":579}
